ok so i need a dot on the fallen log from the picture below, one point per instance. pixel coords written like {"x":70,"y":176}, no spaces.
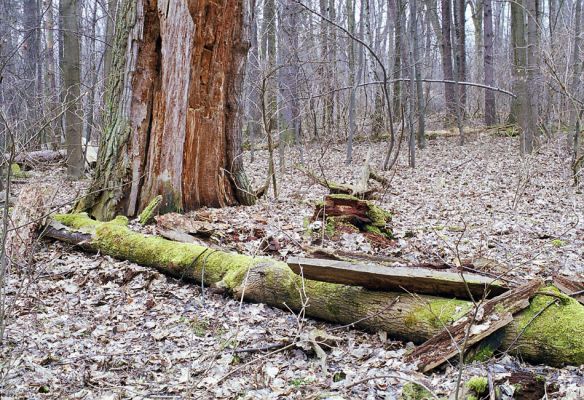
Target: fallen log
{"x":396,"y":278}
{"x":34,"y":158}
{"x":490,"y":317}
{"x":554,"y":337}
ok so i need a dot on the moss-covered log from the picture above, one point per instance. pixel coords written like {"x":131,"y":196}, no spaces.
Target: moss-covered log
{"x":553,"y":337}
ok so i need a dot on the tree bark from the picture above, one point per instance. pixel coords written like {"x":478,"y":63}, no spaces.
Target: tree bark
{"x":553,"y":337}
{"x":490,"y":111}
{"x":69,"y":60}
{"x":447,"y":69}
{"x":519,"y":46}
{"x":172,"y":115}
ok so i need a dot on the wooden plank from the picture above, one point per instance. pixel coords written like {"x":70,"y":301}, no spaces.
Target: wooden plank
{"x":570,"y":287}
{"x":491,"y":316}
{"x":396,"y":278}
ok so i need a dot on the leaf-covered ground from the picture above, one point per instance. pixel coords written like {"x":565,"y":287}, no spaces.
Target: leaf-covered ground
{"x":90,"y":327}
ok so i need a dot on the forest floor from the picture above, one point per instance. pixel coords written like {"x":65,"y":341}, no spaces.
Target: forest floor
{"x":84,"y":326}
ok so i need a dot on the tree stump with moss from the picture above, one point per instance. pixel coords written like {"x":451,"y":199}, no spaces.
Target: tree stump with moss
{"x":341,"y":210}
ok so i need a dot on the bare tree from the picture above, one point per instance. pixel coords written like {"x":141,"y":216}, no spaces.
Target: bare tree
{"x":71,"y":72}
{"x":490,"y":110}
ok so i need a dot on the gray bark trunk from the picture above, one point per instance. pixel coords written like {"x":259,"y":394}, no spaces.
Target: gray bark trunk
{"x":69,"y":60}
{"x":490,"y":110}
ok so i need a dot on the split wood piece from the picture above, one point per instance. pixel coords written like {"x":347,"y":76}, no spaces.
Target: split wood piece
{"x":381,"y":277}
{"x":570,"y":287}
{"x":30,"y":209}
{"x":553,"y":338}
{"x":490,"y":317}
{"x":353,"y":257}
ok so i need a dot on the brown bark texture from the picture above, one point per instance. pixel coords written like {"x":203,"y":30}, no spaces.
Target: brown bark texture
{"x":172,"y":125}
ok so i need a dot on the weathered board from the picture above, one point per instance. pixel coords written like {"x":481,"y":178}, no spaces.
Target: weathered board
{"x":397,"y":278}
{"x":571,"y":287}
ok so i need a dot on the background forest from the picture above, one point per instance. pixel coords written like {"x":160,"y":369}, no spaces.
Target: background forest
{"x":242,"y":126}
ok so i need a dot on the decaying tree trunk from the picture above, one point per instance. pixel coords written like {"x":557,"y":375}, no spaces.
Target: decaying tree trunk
{"x":541,"y":333}
{"x":172,"y":125}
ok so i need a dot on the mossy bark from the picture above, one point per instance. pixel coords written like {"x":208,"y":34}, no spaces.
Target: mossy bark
{"x":553,"y":339}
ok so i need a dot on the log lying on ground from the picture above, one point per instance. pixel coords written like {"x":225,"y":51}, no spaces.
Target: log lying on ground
{"x":399,"y":279}
{"x":553,"y":336}
{"x":34,"y":158}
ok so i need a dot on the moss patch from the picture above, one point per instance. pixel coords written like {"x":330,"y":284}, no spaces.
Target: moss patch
{"x":561,"y":324}
{"x":438,"y":312}
{"x":16,"y":172}
{"x":414,"y":391}
{"x":478,"y":384}
{"x":149,"y":212}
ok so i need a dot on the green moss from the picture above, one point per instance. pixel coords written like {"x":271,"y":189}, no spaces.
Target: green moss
{"x":342,"y":196}
{"x":414,"y":391}
{"x":483,"y":354}
{"x":16,"y":172}
{"x":438,"y":312}
{"x":147,"y":215}
{"x":478,"y":384}
{"x":373,"y":229}
{"x":77,"y":221}
{"x":560,"y":324}
{"x":558,"y":243}
{"x":330,"y":227}
{"x":379,"y":217}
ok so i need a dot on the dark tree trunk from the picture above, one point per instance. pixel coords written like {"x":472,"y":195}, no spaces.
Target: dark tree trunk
{"x":460,"y":32}
{"x":447,"y":68}
{"x":490,"y":110}
{"x":172,"y":125}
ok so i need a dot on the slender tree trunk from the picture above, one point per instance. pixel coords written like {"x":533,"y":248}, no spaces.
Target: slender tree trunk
{"x":71,"y":73}
{"x":173,"y":126}
{"x":519,"y":46}
{"x":447,"y":70}
{"x":92,"y":75}
{"x":572,"y":136}
{"x":398,"y":50}
{"x":529,"y":116}
{"x":421,"y":108}
{"x":460,"y":53}
{"x":412,"y":85}
{"x":268,"y":54}
{"x":490,"y":110}
{"x":54,"y":141}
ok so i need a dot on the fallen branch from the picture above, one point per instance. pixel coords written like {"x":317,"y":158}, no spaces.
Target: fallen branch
{"x":554,"y":338}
